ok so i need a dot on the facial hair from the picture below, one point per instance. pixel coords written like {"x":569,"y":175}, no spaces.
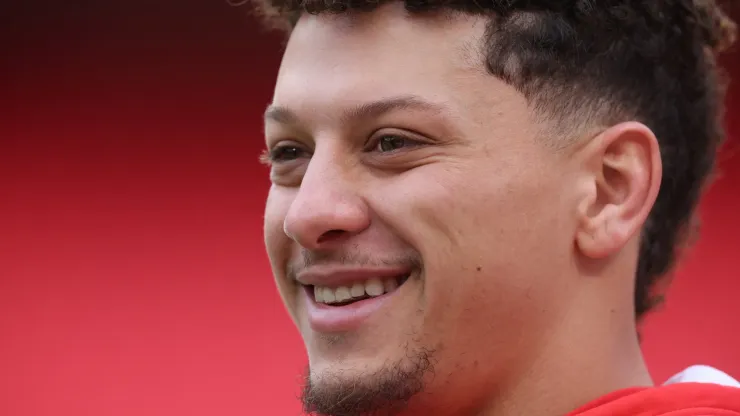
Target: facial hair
{"x":385,"y":392}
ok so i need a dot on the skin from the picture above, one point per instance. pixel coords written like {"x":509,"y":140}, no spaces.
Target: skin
{"x":527,"y":254}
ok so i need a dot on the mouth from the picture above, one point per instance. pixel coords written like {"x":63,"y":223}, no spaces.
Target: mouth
{"x":339,"y":296}
{"x":336,"y":309}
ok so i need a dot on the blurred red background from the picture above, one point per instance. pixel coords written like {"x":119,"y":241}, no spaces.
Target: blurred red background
{"x":133,"y":280}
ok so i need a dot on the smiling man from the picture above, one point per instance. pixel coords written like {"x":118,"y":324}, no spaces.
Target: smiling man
{"x":472,"y":202}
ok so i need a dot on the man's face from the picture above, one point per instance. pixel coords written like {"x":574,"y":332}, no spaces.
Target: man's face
{"x":401,"y":167}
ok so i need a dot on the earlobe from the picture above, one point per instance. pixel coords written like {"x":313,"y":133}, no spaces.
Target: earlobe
{"x":623,"y":170}
{"x":602,"y":235}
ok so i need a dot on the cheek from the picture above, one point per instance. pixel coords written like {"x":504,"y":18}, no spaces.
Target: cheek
{"x":276,"y":208}
{"x":277,"y":243}
{"x":490,"y":247}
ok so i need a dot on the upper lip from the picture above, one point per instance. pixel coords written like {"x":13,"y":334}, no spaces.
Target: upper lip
{"x":345,"y":276}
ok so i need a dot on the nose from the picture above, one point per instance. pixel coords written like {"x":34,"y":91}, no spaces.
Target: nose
{"x":327,"y":209}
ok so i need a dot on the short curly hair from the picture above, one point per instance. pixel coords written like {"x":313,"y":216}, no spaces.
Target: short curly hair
{"x":653,"y":61}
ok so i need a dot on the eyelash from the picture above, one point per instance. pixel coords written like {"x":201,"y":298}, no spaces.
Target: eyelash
{"x":278,"y":153}
{"x":407,"y":141}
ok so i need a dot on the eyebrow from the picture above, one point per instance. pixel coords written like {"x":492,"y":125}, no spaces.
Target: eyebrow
{"x":371,"y":109}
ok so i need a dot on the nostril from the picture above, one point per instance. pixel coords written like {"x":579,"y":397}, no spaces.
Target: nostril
{"x":330,"y":235}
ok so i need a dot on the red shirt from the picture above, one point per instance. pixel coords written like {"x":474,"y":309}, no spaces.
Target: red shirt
{"x":681,"y":399}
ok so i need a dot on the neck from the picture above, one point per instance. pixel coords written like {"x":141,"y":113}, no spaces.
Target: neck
{"x":581,"y":361}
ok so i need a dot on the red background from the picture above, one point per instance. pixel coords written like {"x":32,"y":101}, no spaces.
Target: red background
{"x":133,"y":280}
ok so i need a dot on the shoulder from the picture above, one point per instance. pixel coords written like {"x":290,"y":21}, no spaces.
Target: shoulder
{"x":679,"y":399}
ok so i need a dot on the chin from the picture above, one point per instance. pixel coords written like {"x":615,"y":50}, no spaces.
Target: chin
{"x":353,"y":364}
{"x":355,"y":387}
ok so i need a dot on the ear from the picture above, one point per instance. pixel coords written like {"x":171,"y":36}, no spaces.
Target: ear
{"x":623,"y":172}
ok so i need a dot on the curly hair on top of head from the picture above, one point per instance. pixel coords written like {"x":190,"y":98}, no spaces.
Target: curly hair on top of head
{"x":600,"y":62}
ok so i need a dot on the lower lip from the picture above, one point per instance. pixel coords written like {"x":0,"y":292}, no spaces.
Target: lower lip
{"x":325,"y":318}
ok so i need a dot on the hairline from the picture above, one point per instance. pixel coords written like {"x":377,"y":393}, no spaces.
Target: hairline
{"x":556,"y":129}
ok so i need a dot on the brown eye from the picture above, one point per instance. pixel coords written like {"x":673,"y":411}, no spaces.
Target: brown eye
{"x":286,"y":153}
{"x":390,"y":143}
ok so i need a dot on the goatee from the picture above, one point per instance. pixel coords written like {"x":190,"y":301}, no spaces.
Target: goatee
{"x":385,"y":392}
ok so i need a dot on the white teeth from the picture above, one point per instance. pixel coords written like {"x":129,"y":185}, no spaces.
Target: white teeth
{"x":329,"y":295}
{"x":342,"y":294}
{"x":373,"y":287}
{"x":358,"y":290}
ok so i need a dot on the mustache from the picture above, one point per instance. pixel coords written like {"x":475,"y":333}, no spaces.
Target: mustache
{"x":357,"y":259}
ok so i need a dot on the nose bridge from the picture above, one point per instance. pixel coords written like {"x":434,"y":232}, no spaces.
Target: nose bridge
{"x":326,"y":179}
{"x":327,"y":204}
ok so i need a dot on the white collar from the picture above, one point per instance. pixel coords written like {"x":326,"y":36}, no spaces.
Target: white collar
{"x":703,"y":374}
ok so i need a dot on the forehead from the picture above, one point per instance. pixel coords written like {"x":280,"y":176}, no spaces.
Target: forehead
{"x":386,"y":52}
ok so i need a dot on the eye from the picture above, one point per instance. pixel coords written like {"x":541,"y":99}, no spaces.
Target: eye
{"x":392,"y":142}
{"x":286,"y":153}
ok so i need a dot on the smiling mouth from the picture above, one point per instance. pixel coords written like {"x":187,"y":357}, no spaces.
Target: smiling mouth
{"x":346,"y":295}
